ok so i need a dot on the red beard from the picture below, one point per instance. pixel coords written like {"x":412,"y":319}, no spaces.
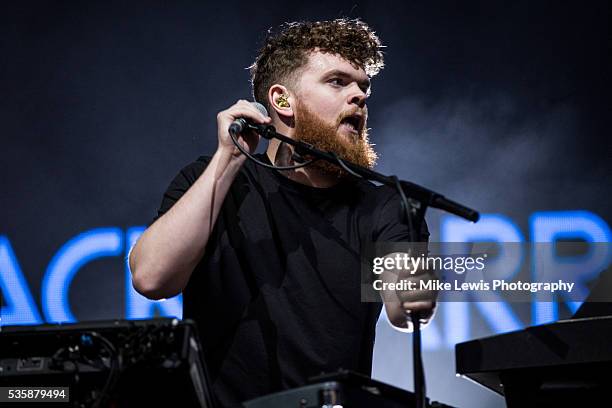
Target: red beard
{"x":311,"y":129}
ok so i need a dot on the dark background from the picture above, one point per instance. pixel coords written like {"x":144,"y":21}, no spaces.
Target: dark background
{"x":503,"y":106}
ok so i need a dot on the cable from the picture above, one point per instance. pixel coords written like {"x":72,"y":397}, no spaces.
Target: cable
{"x":266,"y":165}
{"x":406,"y":208}
{"x":344,"y":166}
{"x":114,"y":369}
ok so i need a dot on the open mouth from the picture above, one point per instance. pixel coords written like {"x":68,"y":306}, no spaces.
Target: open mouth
{"x":352,"y":123}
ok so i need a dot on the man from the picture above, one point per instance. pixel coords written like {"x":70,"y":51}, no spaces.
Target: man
{"x":269,"y":261}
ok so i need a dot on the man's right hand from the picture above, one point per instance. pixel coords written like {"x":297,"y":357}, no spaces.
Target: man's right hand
{"x":248,"y":140}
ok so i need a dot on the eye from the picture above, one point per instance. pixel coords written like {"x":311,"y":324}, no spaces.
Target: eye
{"x":336,"y":81}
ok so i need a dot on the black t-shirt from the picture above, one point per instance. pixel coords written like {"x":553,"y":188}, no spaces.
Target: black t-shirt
{"x":276,"y":296}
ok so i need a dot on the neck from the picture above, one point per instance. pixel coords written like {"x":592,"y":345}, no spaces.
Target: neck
{"x":281,"y":155}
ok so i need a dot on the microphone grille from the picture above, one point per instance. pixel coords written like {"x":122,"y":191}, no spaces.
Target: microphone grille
{"x":260,"y":108}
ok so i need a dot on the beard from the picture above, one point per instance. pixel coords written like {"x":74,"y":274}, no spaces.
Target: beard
{"x":309,"y":128}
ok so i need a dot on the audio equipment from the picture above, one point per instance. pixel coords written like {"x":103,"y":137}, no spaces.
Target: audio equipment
{"x":121,"y":363}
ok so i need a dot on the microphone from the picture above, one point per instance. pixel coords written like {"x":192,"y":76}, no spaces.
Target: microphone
{"x":240,"y":124}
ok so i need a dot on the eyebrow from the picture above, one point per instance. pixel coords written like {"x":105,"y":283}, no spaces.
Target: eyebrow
{"x":362,"y":84}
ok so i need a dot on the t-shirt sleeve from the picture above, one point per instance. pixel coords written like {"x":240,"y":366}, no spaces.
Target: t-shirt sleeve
{"x":181,"y":183}
{"x":390,"y":226}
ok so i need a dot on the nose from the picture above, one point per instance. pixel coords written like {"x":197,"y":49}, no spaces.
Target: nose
{"x":357,"y":96}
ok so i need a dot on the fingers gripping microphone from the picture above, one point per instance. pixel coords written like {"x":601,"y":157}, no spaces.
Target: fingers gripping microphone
{"x":240,"y":124}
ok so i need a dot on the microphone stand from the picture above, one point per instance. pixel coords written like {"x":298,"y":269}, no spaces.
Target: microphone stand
{"x":420,"y":198}
{"x":415,"y":201}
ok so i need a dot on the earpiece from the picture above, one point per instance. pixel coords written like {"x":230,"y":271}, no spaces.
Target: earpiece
{"x":282,"y":101}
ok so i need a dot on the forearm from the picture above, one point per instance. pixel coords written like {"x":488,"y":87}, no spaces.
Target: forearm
{"x":167,"y":252}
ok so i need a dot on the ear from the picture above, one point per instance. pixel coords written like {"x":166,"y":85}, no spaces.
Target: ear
{"x":274,"y":93}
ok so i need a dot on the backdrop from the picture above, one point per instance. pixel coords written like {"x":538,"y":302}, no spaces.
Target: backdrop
{"x":503,"y":106}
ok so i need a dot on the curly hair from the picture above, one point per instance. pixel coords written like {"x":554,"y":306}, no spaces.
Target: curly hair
{"x":286,"y":51}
